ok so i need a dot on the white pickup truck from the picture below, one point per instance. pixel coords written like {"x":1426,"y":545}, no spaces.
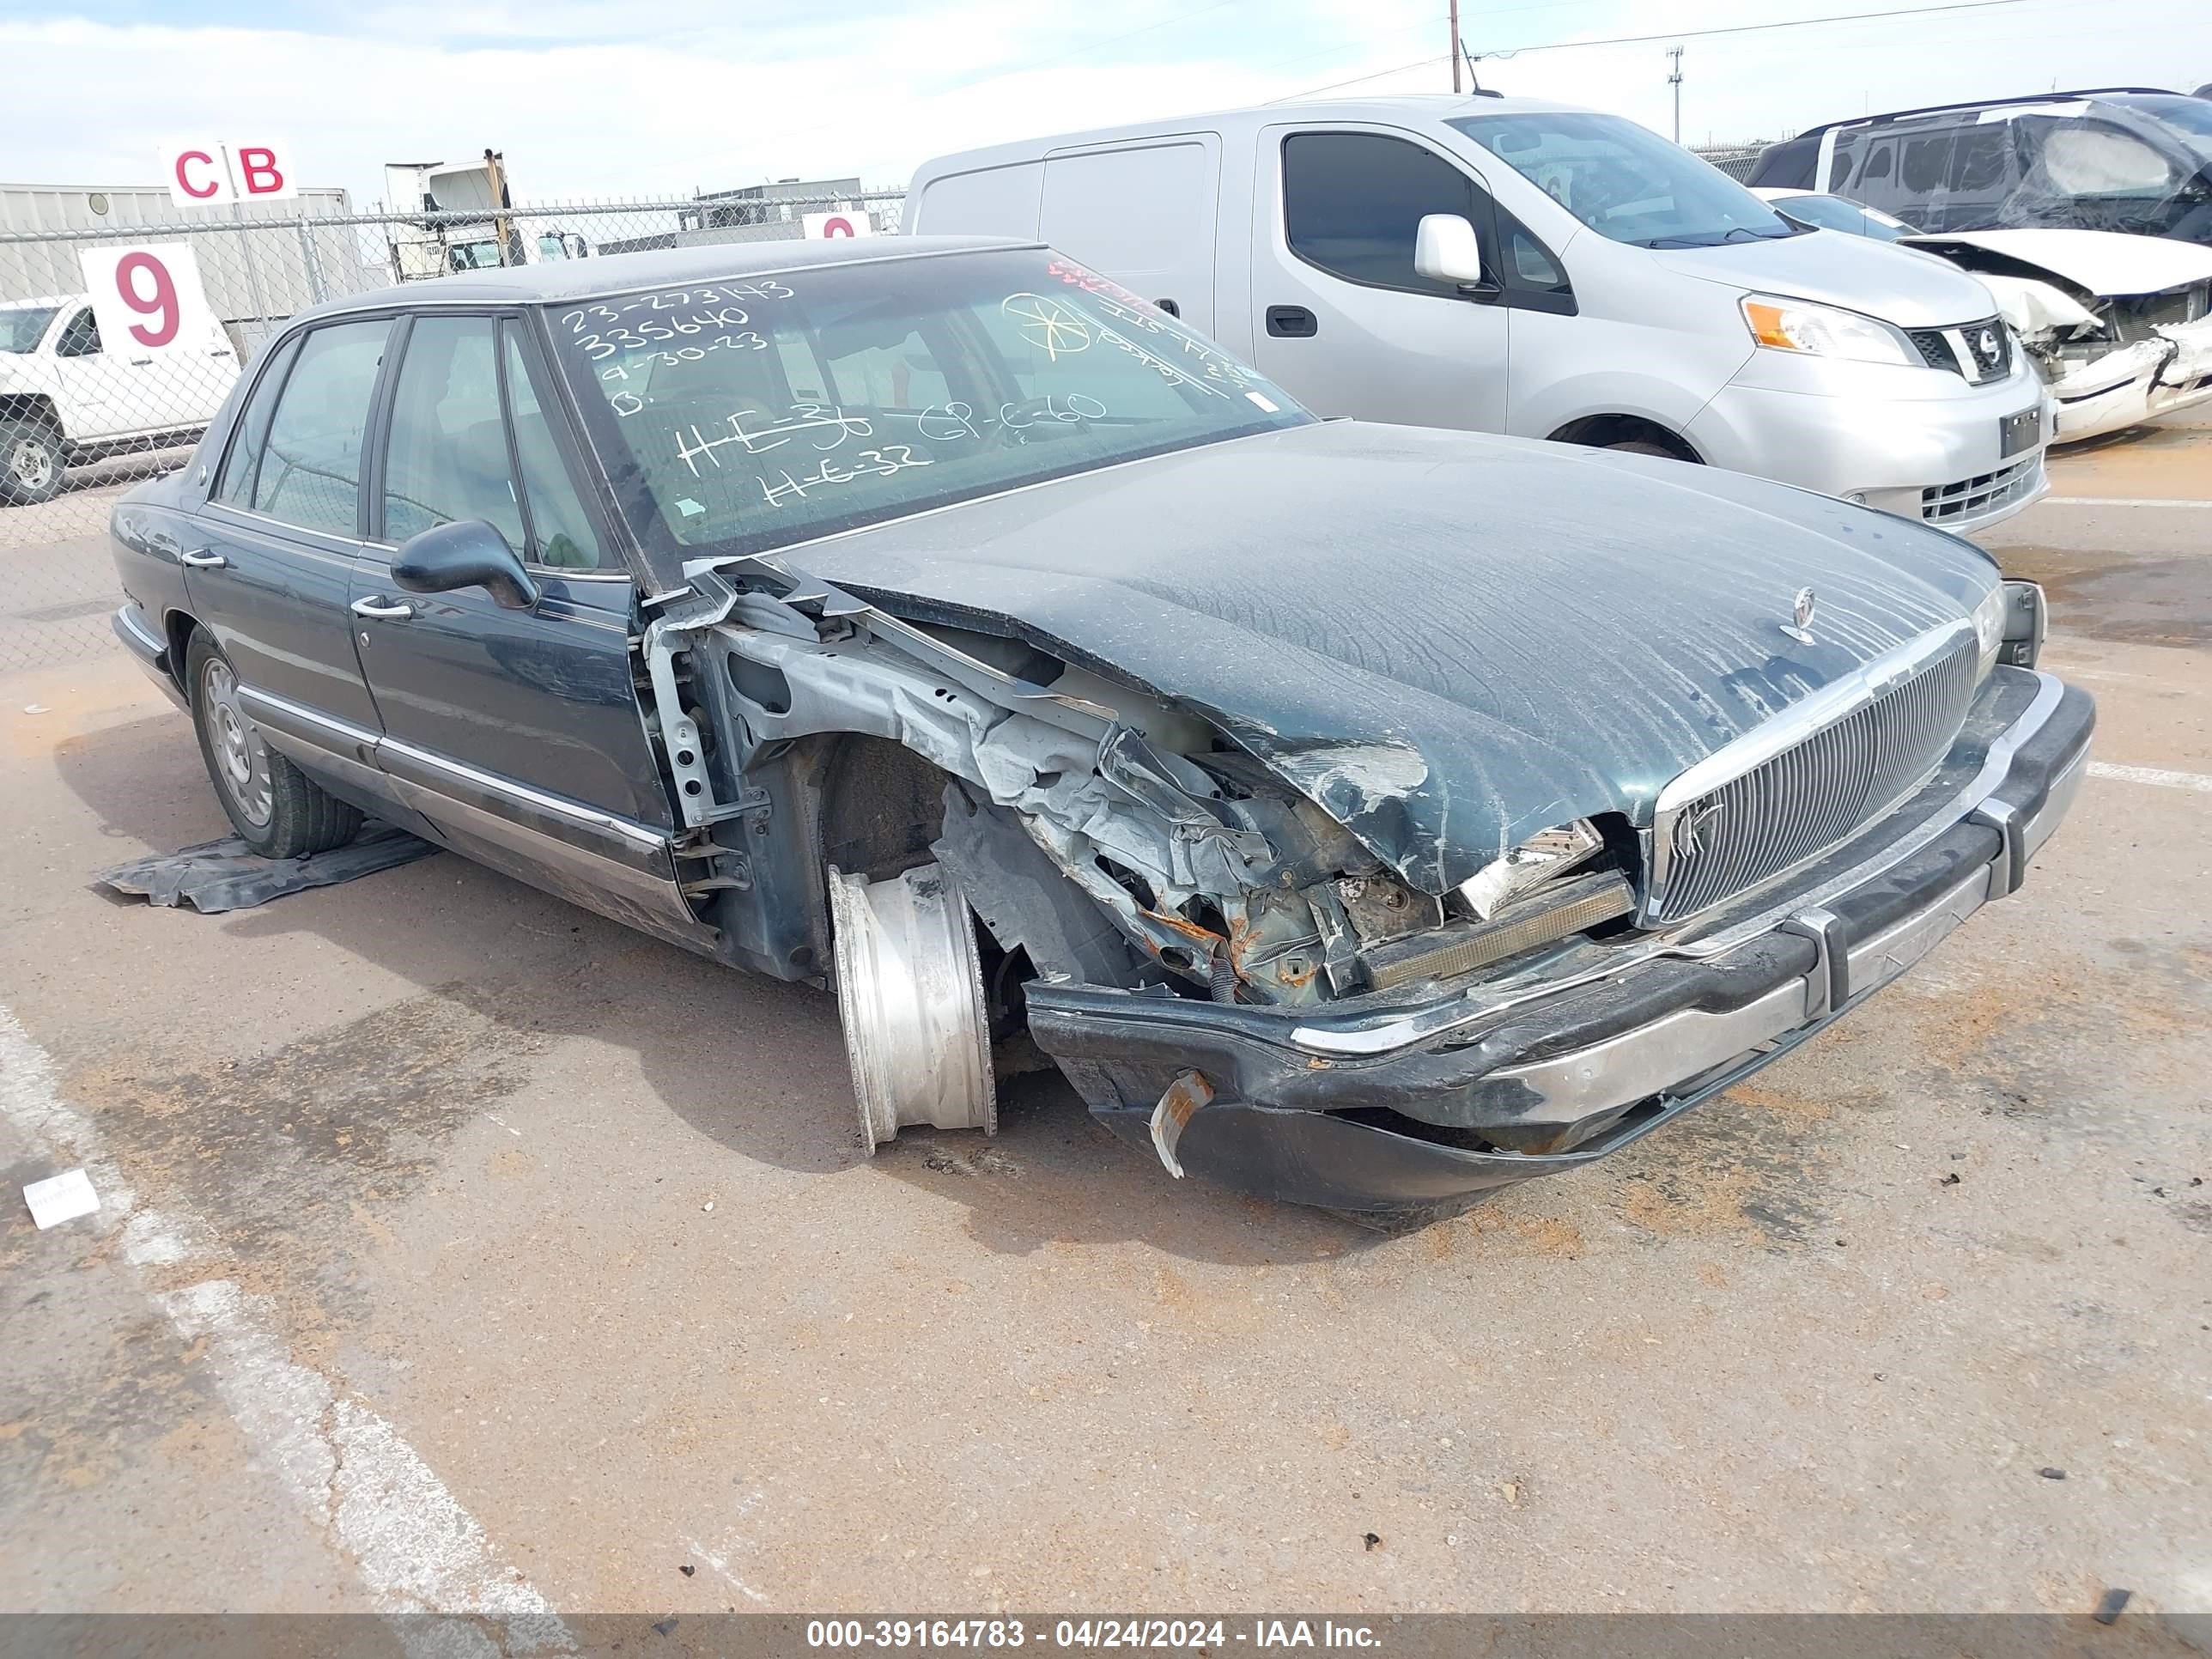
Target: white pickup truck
{"x":65,"y":400}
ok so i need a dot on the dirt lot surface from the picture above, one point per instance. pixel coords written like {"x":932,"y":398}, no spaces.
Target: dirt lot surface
{"x":464,"y":1251}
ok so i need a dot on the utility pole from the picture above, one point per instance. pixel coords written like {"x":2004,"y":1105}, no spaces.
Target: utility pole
{"x":1454,"y":44}
{"x":1675,"y":80}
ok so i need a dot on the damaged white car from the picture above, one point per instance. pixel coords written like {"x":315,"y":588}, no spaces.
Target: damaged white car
{"x":1363,"y":816}
{"x":2121,"y":325}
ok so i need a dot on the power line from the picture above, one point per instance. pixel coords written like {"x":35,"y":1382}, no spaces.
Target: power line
{"x":1419,"y":63}
{"x":1753,"y":28}
{"x":1671,"y":35}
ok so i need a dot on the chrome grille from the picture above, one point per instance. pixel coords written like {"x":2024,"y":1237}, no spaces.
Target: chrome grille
{"x":1981,"y":351}
{"x":1790,"y":806}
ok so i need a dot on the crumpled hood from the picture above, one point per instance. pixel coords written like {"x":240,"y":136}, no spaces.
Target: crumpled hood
{"x":2105,"y":263}
{"x":1833,"y":267}
{"x":1449,"y":641}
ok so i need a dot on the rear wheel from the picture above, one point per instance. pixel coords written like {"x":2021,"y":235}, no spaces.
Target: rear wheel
{"x":30,"y":461}
{"x":277,"y":809}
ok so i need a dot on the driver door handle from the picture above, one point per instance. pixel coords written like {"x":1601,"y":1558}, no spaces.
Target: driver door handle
{"x":381,"y":609}
{"x":204,"y":559}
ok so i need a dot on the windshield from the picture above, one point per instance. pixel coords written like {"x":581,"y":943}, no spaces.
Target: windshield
{"x":2190,"y":117}
{"x":1624,"y":181}
{"x":21,"y":327}
{"x":1834,"y":213}
{"x":767,"y":409}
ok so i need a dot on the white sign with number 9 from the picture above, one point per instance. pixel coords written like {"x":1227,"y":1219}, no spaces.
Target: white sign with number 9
{"x":147,"y":298}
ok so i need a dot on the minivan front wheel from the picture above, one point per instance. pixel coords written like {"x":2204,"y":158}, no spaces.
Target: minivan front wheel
{"x":277,"y":809}
{"x":1645,"y":446}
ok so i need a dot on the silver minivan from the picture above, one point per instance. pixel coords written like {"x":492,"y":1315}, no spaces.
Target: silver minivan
{"x":1514,"y":265}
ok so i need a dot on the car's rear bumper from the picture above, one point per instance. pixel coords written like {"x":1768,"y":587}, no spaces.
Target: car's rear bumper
{"x":1421,"y":1103}
{"x":148,"y":650}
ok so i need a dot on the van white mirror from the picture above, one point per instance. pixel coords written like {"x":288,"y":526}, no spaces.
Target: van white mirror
{"x":1445,"y":249}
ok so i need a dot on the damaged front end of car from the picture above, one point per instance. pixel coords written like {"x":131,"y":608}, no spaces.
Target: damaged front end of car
{"x":2112,"y":359}
{"x":1226,"y":950}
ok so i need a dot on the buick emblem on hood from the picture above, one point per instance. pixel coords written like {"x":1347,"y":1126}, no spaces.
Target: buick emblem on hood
{"x":1802,"y":633}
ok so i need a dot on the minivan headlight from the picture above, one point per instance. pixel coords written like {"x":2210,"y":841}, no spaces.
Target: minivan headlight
{"x":1824,"y":332}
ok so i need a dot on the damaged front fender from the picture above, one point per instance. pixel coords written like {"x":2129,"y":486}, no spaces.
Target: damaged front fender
{"x":1119,"y":843}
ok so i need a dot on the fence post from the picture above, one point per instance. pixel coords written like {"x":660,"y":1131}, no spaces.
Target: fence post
{"x":315,"y":294}
{"x":252,"y":276}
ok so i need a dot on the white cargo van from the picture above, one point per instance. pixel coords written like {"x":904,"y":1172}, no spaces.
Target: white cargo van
{"x":1520,"y":266}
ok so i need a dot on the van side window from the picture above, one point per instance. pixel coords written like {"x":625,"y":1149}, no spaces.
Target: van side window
{"x":1982,"y":158}
{"x":1352,"y":202}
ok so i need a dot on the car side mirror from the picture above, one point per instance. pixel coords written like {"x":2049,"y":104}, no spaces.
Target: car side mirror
{"x":1446,"y":249}
{"x":468,"y":553}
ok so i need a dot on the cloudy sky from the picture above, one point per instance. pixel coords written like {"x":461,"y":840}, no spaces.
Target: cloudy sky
{"x":616,"y":97}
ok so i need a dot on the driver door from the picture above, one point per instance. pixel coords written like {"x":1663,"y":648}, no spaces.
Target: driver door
{"x":1343,"y":320}
{"x":516,"y":732}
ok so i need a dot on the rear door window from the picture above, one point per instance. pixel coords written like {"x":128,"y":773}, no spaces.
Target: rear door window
{"x":310,"y":468}
{"x":243,"y":463}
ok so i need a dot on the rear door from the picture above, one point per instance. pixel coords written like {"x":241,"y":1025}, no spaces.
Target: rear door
{"x":1345,"y":322}
{"x":269,"y":566}
{"x":1144,"y":214}
{"x":518,"y":732}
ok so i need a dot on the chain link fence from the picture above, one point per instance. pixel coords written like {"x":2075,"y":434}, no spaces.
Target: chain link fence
{"x":1735,"y":160}
{"x":83,"y":416}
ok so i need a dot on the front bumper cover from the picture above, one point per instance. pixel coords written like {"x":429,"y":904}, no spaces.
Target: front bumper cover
{"x":1412,"y":1105}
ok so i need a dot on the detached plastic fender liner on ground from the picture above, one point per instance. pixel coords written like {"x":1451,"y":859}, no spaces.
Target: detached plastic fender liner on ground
{"x":217,"y":876}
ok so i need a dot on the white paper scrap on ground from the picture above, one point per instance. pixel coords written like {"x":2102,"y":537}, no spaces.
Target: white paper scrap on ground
{"x":61,"y":1198}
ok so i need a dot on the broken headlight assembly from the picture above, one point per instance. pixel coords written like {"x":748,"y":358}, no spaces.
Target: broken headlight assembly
{"x":1550,"y":886}
{"x":1990,"y":618}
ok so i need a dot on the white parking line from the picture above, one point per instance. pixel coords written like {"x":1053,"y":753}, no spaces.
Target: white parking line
{"x":2157,"y":775}
{"x":417,"y":1550}
{"x":2123,"y":500}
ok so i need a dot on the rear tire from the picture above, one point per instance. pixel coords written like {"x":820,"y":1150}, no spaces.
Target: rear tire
{"x":277,"y":809}
{"x":31,"y":461}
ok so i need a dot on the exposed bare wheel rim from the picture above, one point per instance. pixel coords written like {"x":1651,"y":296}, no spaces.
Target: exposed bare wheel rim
{"x":910,"y":1000}
{"x":241,"y":756}
{"x":32,"y":462}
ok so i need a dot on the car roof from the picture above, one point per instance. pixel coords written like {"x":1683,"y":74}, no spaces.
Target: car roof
{"x":1399,"y":108}
{"x":564,"y":282}
{"x":2083,"y":95}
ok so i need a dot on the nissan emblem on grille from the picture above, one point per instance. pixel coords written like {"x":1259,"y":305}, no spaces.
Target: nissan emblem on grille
{"x":1802,"y":608}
